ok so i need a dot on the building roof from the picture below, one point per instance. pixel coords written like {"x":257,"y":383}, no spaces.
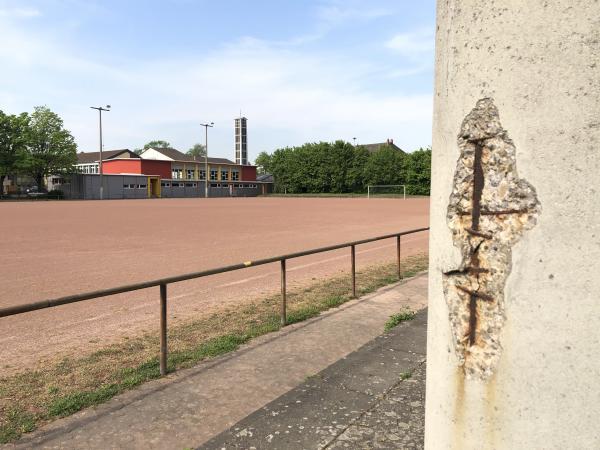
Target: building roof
{"x":92,"y":157}
{"x":265,"y":178}
{"x":374,"y":147}
{"x":176,"y":155}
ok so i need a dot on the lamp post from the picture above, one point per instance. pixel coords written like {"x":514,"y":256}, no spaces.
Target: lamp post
{"x":206,"y":126}
{"x":100,"y":109}
{"x":354,"y":139}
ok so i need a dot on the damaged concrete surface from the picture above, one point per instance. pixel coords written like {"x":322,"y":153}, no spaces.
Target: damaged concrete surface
{"x":490,"y":208}
{"x":538,"y":61}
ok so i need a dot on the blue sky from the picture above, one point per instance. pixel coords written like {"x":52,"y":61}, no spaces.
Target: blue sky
{"x":301,"y":71}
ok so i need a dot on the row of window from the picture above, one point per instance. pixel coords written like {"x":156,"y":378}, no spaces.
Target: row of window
{"x":242,"y":186}
{"x":89,"y":168}
{"x":177,"y":174}
{"x":166,"y":184}
{"x":135,"y":186}
{"x":175,"y":185}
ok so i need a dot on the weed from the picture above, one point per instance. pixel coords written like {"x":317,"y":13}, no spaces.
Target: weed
{"x":16,"y":422}
{"x":405,"y":375}
{"x":397,"y":319}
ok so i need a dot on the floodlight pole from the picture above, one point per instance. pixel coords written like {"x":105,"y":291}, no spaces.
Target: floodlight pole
{"x":100,"y":109}
{"x":206,"y":126}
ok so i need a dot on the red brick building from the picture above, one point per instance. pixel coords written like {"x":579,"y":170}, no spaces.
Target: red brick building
{"x":167,"y":172}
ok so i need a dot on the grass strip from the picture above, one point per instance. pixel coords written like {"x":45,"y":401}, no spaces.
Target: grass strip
{"x":344,"y":195}
{"x":60,"y":388}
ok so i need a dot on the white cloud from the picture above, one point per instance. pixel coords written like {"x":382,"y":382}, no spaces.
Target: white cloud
{"x":289,"y":96}
{"x":412,"y":43}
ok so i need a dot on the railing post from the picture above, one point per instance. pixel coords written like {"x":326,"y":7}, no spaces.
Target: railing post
{"x":163,"y":329}
{"x":398,"y":245}
{"x":353,"y":258}
{"x":283,"y":295}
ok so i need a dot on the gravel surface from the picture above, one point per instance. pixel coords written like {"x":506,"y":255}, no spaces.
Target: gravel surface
{"x":52,"y":249}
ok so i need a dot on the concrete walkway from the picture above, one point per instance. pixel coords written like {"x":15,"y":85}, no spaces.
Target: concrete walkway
{"x":373,"y":398}
{"x":188,"y":408}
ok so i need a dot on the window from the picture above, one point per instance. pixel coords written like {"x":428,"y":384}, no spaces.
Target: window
{"x":129,"y":186}
{"x":190,"y":174}
{"x":177,"y":184}
{"x":235,"y":175}
{"x":141,"y":186}
{"x":191,"y":185}
{"x":88,"y":168}
{"x":224,"y":175}
{"x":203,"y":174}
{"x":215,"y":185}
{"x":177,"y":174}
{"x":213,"y":175}
{"x":165,"y":184}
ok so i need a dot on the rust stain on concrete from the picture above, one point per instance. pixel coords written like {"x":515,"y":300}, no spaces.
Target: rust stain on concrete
{"x":489,"y":210}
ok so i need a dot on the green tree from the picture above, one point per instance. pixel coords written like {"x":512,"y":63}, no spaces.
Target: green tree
{"x":355,"y":177}
{"x":197,"y":150}
{"x":263,"y":163}
{"x":50,"y":148}
{"x":13,"y":144}
{"x":340,"y":167}
{"x":339,"y":159}
{"x":385,"y":166}
{"x":153,"y":144}
{"x":418,"y":172}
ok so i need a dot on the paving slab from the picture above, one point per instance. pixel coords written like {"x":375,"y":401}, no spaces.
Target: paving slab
{"x":187,"y":408}
{"x":373,"y":398}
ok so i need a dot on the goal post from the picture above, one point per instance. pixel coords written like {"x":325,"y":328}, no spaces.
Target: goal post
{"x":386,"y":189}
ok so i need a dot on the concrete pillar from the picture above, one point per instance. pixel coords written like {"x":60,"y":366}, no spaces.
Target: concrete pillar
{"x":514,"y":293}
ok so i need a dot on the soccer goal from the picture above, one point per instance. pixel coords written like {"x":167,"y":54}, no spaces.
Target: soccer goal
{"x":387,"y":190}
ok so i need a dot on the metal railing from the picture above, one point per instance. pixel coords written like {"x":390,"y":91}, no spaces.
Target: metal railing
{"x":163,"y":282}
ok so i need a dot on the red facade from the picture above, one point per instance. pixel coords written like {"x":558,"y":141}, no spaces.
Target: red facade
{"x":248,"y":173}
{"x":122,"y":166}
{"x":162,"y":168}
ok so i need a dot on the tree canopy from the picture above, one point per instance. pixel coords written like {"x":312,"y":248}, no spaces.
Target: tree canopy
{"x":13,"y":143}
{"x":37,"y":145}
{"x":197,"y":150}
{"x":263,"y":163}
{"x":51,"y":148}
{"x":339,"y":167}
{"x":158,"y":143}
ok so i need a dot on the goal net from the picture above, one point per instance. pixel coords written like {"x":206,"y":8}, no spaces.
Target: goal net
{"x":388,"y":190}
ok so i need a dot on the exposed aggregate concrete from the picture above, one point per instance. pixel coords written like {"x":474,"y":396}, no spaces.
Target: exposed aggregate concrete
{"x":487,"y":217}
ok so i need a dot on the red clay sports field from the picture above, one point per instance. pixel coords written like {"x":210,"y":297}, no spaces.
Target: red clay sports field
{"x":51,"y":249}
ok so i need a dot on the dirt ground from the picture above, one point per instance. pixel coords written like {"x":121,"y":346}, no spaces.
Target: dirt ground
{"x":52,"y":249}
